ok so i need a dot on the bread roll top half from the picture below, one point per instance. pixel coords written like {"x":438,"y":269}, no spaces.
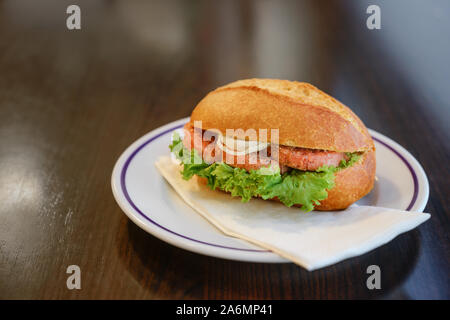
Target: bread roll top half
{"x":305,"y":116}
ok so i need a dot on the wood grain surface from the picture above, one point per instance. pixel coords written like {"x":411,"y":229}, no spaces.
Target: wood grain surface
{"x":72,"y":101}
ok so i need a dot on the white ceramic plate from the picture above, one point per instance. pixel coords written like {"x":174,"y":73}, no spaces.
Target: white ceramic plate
{"x":149,"y":201}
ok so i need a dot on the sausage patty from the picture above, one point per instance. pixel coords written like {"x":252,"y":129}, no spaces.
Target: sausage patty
{"x":288,"y":157}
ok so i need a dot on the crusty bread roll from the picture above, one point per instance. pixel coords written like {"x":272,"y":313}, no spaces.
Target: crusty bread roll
{"x":306,"y":117}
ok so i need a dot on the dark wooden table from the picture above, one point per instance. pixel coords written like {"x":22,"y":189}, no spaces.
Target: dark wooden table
{"x":72,"y":101}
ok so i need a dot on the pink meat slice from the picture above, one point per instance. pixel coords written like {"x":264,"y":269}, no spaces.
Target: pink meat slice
{"x":289,"y":157}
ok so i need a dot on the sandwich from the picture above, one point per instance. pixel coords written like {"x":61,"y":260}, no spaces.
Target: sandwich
{"x":278,"y":140}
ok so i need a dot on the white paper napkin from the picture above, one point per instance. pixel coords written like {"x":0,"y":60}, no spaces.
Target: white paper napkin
{"x":312,"y":240}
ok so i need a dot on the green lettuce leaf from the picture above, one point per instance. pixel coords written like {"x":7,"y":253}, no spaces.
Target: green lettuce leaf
{"x":305,"y":188}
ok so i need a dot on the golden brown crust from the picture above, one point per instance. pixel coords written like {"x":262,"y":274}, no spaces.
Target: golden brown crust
{"x":351,"y":184}
{"x":305,"y":116}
